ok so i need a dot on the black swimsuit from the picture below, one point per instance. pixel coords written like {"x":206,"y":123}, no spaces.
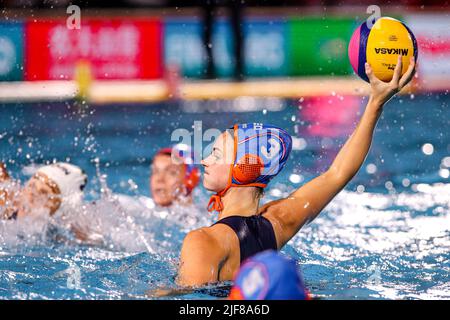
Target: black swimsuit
{"x":255,"y":234}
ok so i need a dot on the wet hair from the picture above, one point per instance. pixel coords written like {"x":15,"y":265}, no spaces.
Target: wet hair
{"x":48,"y":182}
{"x":230,"y":131}
{"x":259,"y":193}
{"x":152,"y":160}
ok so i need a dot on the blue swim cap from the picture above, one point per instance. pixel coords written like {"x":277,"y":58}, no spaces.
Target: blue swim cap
{"x":269,"y":276}
{"x":260,"y":153}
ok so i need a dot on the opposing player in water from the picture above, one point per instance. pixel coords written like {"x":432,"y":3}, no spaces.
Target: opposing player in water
{"x":55,"y":194}
{"x":243,"y":161}
{"x":174,"y":176}
{"x":53,"y":188}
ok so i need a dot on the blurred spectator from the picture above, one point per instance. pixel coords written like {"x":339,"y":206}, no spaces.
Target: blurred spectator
{"x":235,"y":7}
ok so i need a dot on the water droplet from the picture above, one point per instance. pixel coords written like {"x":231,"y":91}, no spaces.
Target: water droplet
{"x":389,"y":185}
{"x":444,"y":173}
{"x":371,"y":168}
{"x":406,"y":182}
{"x":295,"y":178}
{"x":428,"y":149}
{"x":446,"y":162}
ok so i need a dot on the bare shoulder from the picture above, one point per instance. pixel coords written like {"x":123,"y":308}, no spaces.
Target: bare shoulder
{"x":200,"y":259}
{"x":270,"y":207}
{"x":215,"y":237}
{"x":199,"y":238}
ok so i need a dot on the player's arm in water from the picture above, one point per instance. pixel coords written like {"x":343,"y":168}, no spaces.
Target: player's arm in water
{"x":7,"y":209}
{"x":4,"y":176}
{"x":302,"y":206}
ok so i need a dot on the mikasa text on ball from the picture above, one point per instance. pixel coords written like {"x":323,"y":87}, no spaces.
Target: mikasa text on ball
{"x":380,"y":46}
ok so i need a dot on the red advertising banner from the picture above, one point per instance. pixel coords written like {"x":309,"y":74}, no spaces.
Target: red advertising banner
{"x":115,"y":49}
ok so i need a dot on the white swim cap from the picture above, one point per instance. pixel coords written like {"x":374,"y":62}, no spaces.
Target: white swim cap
{"x":69,"y":178}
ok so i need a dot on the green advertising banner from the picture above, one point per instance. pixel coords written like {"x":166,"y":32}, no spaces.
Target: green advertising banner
{"x":11,"y":51}
{"x":319,"y":46}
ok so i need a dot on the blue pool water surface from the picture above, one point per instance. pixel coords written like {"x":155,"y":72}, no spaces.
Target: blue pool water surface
{"x":386,"y":236}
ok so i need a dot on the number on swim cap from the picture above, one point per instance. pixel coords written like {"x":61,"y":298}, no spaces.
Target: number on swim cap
{"x":275,"y":148}
{"x":254,"y":282}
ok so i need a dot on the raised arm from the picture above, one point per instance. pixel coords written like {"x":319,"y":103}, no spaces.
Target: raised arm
{"x":302,"y":206}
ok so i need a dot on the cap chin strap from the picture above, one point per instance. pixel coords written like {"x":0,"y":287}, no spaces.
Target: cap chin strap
{"x":215,"y":202}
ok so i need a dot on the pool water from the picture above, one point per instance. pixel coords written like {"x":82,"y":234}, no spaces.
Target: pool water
{"x":386,"y":236}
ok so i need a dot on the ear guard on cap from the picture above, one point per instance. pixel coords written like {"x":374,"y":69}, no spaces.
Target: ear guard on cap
{"x":260,"y":153}
{"x":247,"y":169}
{"x":191,"y":177}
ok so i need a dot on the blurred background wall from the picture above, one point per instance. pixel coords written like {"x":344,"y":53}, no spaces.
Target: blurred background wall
{"x":147,"y":39}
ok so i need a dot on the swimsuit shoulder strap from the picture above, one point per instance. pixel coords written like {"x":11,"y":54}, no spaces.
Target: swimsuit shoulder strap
{"x":255,"y":234}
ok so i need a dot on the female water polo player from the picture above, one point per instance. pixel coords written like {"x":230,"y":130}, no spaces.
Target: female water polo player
{"x":243,"y":161}
{"x":174,"y":176}
{"x":52,"y":188}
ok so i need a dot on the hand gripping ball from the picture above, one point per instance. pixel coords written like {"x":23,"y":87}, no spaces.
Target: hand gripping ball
{"x":380,"y":45}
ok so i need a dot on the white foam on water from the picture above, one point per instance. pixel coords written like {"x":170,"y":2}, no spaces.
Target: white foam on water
{"x":115,"y":222}
{"x":406,"y":229}
{"x":368,"y":221}
{"x":409,"y":230}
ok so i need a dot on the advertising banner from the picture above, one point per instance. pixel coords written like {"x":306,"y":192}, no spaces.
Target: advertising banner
{"x":115,"y":49}
{"x":183,"y":46}
{"x":265,"y":47}
{"x":319,"y":46}
{"x":432,"y":32}
{"x":11,"y":51}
